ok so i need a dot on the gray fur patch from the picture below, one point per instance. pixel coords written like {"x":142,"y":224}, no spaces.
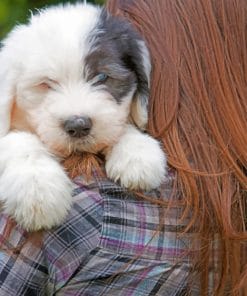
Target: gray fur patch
{"x":115,"y":51}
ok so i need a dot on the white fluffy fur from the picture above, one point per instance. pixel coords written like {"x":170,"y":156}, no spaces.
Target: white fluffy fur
{"x":136,"y":160}
{"x":33,"y":186}
{"x":41,"y":76}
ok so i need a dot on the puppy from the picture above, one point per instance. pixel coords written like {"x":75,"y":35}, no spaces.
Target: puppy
{"x":73,"y":79}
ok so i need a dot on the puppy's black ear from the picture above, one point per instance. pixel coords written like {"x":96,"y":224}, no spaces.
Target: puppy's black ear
{"x":134,"y":54}
{"x":142,"y":67}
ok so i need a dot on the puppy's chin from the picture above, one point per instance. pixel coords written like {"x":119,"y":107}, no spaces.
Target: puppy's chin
{"x":66,"y":151}
{"x":94,"y":149}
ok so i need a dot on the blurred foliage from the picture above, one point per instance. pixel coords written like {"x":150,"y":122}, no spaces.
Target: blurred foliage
{"x":13,"y":12}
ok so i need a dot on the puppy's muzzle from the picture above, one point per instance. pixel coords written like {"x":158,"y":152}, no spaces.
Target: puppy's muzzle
{"x":77,"y":126}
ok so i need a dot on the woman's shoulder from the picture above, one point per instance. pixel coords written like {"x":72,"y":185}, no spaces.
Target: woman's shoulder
{"x":107,"y":216}
{"x":111,"y":232}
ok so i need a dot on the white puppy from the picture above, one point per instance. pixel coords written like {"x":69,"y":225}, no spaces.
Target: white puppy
{"x":73,"y":79}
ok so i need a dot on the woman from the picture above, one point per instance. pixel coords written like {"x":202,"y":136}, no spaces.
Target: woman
{"x":189,"y":237}
{"x":199,"y":110}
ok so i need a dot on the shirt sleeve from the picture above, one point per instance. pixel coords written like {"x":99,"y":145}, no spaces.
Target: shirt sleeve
{"x":22,"y":268}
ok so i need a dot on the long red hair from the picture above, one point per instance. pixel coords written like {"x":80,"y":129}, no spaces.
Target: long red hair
{"x":198,"y":109}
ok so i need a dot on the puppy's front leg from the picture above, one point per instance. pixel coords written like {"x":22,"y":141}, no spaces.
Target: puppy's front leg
{"x":34,"y":188}
{"x":136,"y":161}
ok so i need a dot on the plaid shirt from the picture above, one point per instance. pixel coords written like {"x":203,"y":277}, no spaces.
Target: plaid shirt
{"x":110,"y":244}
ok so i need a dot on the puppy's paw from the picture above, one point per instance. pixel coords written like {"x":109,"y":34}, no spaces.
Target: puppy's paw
{"x":136,"y":161}
{"x":37,"y":196}
{"x":34,"y":189}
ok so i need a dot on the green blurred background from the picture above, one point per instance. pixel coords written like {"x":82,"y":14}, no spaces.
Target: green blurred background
{"x":13,"y":12}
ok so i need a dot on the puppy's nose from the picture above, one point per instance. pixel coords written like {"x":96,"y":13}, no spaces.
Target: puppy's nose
{"x":78,"y":126}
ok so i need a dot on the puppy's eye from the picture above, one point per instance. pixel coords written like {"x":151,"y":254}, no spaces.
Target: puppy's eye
{"x":44,"y":86}
{"x":47,"y":84}
{"x":100,"y":78}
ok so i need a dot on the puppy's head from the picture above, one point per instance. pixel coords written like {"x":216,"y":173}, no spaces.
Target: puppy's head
{"x":75,"y":76}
